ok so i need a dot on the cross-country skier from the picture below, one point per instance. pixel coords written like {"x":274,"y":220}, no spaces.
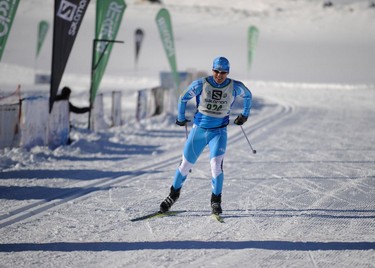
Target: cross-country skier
{"x":215,"y":96}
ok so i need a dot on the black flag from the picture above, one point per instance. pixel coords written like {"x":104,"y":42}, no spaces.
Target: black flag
{"x":68,"y":16}
{"x":138,"y":41}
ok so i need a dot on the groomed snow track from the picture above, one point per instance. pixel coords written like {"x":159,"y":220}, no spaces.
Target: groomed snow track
{"x":270,"y":117}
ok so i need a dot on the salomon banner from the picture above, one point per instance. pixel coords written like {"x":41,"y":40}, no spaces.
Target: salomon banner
{"x":67,"y":20}
{"x":163,"y":22}
{"x":108,"y":19}
{"x":8,"y":10}
{"x":42,"y":32}
{"x":138,"y":36}
{"x":252,"y":40}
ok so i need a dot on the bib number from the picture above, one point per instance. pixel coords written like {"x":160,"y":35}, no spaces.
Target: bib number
{"x":214,"y":107}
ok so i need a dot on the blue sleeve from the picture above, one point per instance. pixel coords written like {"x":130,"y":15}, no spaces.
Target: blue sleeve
{"x":242,"y":91}
{"x":181,"y":110}
{"x":190,"y":92}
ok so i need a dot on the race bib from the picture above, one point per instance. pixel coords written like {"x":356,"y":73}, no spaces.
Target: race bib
{"x":214,"y":101}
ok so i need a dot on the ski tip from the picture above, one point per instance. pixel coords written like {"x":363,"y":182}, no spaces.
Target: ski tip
{"x":157,"y":214}
{"x":217,"y":217}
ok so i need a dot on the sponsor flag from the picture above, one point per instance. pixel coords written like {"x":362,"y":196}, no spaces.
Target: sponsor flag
{"x":138,"y":35}
{"x":42,"y":32}
{"x":8,"y":10}
{"x":68,"y":15}
{"x":252,"y":39}
{"x":163,"y":22}
{"x":108,"y":19}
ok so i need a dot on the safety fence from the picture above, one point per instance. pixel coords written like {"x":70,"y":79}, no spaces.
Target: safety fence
{"x":27,"y":122}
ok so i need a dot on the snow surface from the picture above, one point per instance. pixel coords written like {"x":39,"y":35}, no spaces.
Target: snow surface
{"x":306,"y":199}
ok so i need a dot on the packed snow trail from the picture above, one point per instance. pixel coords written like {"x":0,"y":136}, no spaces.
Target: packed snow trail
{"x":305,"y":199}
{"x":78,"y":190}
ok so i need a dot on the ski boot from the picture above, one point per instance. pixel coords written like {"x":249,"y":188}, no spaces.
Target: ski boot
{"x":216,"y":204}
{"x":169,"y":200}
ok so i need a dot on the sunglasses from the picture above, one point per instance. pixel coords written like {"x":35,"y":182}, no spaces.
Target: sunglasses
{"x":219,"y":72}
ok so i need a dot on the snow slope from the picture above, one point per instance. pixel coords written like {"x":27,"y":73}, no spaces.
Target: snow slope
{"x":304,"y":200}
{"x":299,"y":42}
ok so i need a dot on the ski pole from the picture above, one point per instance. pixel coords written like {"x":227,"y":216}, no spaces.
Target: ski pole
{"x":254,"y":151}
{"x":186,"y":131}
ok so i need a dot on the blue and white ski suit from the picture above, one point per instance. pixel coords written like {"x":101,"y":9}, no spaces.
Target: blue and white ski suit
{"x":214,"y":102}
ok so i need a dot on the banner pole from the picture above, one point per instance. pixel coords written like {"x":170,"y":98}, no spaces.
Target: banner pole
{"x":91,"y":80}
{"x":93,"y":69}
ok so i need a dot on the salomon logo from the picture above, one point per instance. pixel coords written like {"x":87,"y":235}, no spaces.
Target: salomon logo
{"x":66,"y":10}
{"x":216,"y":94}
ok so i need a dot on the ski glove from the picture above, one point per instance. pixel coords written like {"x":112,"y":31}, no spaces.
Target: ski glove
{"x":182,"y":123}
{"x":240,"y":120}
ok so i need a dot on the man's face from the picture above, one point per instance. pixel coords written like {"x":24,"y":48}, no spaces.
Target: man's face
{"x":219,"y":76}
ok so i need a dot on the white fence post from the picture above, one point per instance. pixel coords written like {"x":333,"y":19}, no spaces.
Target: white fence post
{"x":141,"y":104}
{"x":116,"y":108}
{"x":10,"y":119}
{"x":9,"y":125}
{"x":34,"y":122}
{"x":58,"y":125}
{"x":97,"y":117}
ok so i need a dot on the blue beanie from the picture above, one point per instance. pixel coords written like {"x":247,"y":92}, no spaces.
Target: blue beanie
{"x":221,"y":64}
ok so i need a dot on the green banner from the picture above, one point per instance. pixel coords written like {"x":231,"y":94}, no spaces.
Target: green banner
{"x":164,"y":24}
{"x":42,"y":32}
{"x":8,"y":10}
{"x":108,"y":19}
{"x":252,"y":40}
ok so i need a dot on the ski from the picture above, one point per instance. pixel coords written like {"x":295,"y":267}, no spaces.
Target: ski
{"x":157,"y":215}
{"x":217,"y":217}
